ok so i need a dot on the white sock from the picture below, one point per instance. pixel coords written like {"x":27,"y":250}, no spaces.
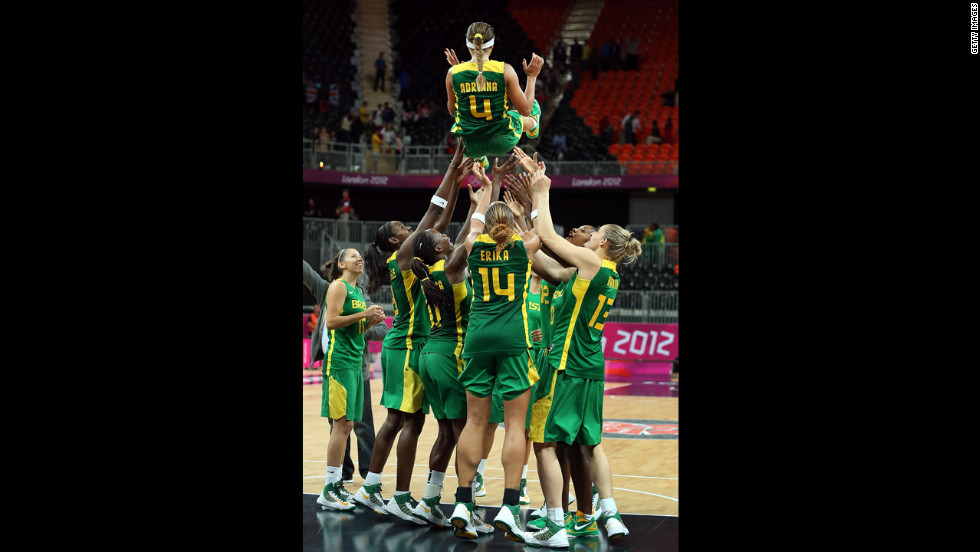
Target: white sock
{"x":556,"y":515}
{"x":399,"y":493}
{"x":333,"y":475}
{"x":608,"y":505}
{"x":372,"y":478}
{"x":482,"y":466}
{"x":524,"y":473}
{"x":434,"y":486}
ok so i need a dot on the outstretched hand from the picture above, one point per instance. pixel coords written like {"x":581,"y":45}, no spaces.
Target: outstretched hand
{"x":477,"y":169}
{"x":451,"y":57}
{"x":540,"y":182}
{"x":534,"y":68}
{"x":457,"y":157}
{"x":463,"y":170}
{"x":514,"y":204}
{"x":475,"y":196}
{"x":505,"y":169}
{"x":527,"y":163}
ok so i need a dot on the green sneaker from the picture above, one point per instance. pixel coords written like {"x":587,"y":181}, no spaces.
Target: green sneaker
{"x":581,"y":525}
{"x":401,"y":506}
{"x":332,"y":499}
{"x":428,"y":509}
{"x":509,"y":520}
{"x":479,"y":489}
{"x":552,"y":536}
{"x":615,"y":528}
{"x":524,"y":498}
{"x":536,"y":113}
{"x":370,"y":496}
{"x":538,"y":523}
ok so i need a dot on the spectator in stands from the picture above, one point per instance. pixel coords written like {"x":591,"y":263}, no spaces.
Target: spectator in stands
{"x":364,"y":113}
{"x":378,"y":117}
{"x":312,"y":94}
{"x":655,"y":236}
{"x":322,"y":140}
{"x":345,"y":126}
{"x":425,"y":110}
{"x":606,"y":54}
{"x":409,"y":115}
{"x":379,"y":71}
{"x":668,"y":133}
{"x":654,"y":137}
{"x":344,"y":211}
{"x":311,"y":210}
{"x":356,"y":130}
{"x":594,"y":58}
{"x":311,"y":321}
{"x":388,"y":137}
{"x":575,"y":56}
{"x":606,"y":131}
{"x":559,"y":55}
{"x":388,"y":116}
{"x":632,"y":54}
{"x":405,"y":81}
{"x":560,"y":143}
{"x":629,"y":127}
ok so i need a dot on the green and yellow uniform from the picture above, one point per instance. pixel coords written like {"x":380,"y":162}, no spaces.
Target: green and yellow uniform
{"x":343,"y":391}
{"x":533,"y":323}
{"x":576,"y":412}
{"x":497,"y":348}
{"x":551,"y":300}
{"x":440,"y":363}
{"x":483,"y":118}
{"x":402,"y":387}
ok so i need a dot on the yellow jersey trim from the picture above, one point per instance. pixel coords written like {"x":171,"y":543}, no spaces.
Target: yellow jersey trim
{"x":489,"y":66}
{"x":578,"y":291}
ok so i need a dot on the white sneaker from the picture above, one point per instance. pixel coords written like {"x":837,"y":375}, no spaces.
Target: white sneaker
{"x":479,"y":489}
{"x":596,"y":510}
{"x":540,"y":512}
{"x":615,"y":528}
{"x":370,"y":497}
{"x":509,"y":520}
{"x":401,"y":506}
{"x":552,"y":536}
{"x":571,"y":498}
{"x":429,"y":510}
{"x":462,"y":520}
{"x":332,"y":499}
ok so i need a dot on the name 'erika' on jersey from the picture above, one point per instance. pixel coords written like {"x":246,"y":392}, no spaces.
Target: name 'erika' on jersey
{"x":471,"y":87}
{"x":493,"y":255}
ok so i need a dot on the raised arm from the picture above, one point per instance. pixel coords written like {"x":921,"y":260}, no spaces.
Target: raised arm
{"x":437,"y":205}
{"x":314,"y":282}
{"x":523,"y":100}
{"x":447,"y":214}
{"x":499,"y":172}
{"x":549,"y":269}
{"x":478,"y":226}
{"x":583,"y":258}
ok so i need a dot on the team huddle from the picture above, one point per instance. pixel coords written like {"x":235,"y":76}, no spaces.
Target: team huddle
{"x":502,"y":324}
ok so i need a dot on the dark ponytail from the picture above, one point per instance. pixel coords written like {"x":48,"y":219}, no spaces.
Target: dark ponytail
{"x":425,"y":256}
{"x":376,"y":257}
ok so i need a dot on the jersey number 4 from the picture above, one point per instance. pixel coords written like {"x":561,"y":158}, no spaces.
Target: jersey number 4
{"x":486,"y":109}
{"x":497,"y":289}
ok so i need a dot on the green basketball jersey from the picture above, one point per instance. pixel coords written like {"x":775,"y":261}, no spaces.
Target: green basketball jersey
{"x":481,"y":113}
{"x":449,"y":329}
{"x":411,"y":324}
{"x":550,"y":302}
{"x":579,"y":322}
{"x":347,"y":344}
{"x":534,"y":316}
{"x":498,"y":313}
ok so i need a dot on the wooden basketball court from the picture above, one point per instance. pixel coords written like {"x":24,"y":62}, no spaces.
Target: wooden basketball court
{"x":640,"y":438}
